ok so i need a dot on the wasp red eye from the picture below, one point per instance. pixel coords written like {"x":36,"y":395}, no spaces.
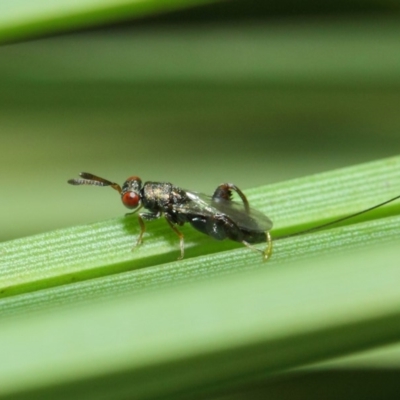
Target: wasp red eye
{"x":130,"y":199}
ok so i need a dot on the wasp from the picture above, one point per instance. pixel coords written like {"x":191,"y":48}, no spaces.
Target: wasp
{"x":217,"y":216}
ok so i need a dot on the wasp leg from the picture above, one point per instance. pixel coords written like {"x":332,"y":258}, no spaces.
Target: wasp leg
{"x":142,"y":230}
{"x":268,"y":248}
{"x":266,"y":253}
{"x":224,"y":191}
{"x":141,"y":218}
{"x":180,"y":235}
{"x":133,"y":212}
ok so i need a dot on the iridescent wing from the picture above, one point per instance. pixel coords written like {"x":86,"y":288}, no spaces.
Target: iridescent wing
{"x":203,"y":205}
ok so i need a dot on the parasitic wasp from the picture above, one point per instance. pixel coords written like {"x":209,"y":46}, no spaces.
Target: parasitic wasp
{"x":217,"y":216}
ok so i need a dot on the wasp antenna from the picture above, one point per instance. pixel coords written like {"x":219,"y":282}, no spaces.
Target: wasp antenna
{"x":90,"y":179}
{"x":86,"y":182}
{"x":336,"y":221}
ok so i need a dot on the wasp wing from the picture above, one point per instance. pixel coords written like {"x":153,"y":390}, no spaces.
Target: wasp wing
{"x":203,"y":205}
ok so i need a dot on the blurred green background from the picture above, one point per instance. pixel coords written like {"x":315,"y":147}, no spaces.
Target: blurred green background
{"x":238,"y":91}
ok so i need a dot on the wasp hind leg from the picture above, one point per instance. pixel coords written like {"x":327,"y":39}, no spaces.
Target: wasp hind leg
{"x":224,"y":191}
{"x":266,"y":253}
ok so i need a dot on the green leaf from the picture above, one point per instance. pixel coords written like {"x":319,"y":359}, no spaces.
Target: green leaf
{"x":104,"y":248}
{"x":23,"y":18}
{"x":141,"y":325}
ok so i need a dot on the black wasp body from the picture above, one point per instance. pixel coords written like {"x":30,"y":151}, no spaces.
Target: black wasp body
{"x":217,"y":216}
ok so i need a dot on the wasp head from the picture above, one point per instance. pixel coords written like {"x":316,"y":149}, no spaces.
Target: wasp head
{"x":130,"y":194}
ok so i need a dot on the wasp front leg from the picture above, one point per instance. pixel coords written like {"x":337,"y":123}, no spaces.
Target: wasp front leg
{"x":141,"y":218}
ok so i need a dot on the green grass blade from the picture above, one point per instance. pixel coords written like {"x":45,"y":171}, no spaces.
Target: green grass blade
{"x":150,"y":331}
{"x":85,"y":252}
{"x":20,"y":19}
{"x":182,"y":338}
{"x":335,"y":241}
